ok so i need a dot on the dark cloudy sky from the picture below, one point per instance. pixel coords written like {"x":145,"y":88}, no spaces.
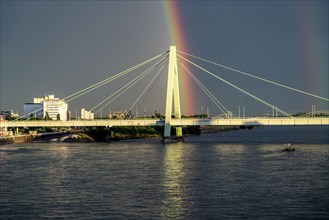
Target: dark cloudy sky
{"x":59,"y":47}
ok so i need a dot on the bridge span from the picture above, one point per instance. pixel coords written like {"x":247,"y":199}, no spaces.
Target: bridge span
{"x":174,"y":122}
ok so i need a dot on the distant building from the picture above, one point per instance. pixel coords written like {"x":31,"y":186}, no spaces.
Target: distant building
{"x":86,"y":115}
{"x":48,"y":104}
{"x":55,"y":106}
{"x":69,"y":115}
{"x":117,"y":115}
{"x":5,"y":114}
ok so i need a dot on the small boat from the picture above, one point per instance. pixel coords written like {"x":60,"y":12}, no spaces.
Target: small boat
{"x":289,"y":147}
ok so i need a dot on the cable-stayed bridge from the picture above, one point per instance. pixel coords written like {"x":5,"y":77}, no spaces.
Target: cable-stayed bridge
{"x":174,"y":122}
{"x":173,"y":115}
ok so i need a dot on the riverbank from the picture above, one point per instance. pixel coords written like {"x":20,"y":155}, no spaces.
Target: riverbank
{"x":26,"y":138}
{"x":111,"y":134}
{"x":16,"y":139}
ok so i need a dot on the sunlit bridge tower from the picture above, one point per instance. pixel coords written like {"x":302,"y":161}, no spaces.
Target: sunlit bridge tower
{"x":172,"y":93}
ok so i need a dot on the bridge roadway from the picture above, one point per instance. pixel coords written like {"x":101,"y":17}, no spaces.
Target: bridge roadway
{"x":174,"y":122}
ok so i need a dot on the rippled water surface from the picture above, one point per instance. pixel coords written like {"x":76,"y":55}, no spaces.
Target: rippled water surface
{"x":240,"y":174}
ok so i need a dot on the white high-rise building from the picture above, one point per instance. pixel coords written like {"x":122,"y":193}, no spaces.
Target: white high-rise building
{"x":55,"y":106}
{"x":49,"y":104}
{"x":87,"y":115}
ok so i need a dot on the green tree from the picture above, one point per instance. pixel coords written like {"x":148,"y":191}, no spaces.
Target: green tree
{"x":47,"y":117}
{"x":58,"y":117}
{"x":32,"y":117}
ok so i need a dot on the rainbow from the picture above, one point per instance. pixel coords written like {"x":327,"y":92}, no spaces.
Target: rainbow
{"x":311,"y":42}
{"x":175,"y":30}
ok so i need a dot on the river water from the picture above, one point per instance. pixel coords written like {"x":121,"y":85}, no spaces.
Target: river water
{"x":229,"y":175}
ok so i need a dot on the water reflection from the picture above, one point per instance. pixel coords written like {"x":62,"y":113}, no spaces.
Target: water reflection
{"x":173,"y":184}
{"x":54,"y":178}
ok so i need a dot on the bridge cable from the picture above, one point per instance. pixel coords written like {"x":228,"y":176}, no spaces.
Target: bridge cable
{"x":146,"y":88}
{"x":234,"y":86}
{"x":35,"y":111}
{"x":105,"y":81}
{"x":97,"y":85}
{"x":208,"y":93}
{"x":256,"y":77}
{"x":127,"y":86}
{"x":150,"y":89}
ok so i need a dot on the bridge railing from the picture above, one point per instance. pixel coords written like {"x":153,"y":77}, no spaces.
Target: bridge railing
{"x":251,"y":121}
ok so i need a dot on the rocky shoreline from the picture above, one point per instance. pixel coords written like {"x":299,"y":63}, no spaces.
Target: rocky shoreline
{"x":27,"y":138}
{"x":79,"y":138}
{"x":16,"y":139}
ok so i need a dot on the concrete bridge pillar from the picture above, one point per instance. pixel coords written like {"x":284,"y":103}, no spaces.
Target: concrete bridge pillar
{"x":172,"y":93}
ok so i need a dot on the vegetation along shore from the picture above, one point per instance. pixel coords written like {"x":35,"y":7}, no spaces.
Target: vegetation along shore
{"x":107,"y":134}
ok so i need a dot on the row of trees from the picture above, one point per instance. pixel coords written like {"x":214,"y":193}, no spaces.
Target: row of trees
{"x":129,"y":132}
{"x":46,"y":118}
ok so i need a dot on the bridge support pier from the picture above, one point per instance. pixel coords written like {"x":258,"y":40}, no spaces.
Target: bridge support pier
{"x":3,"y":130}
{"x":172,"y":93}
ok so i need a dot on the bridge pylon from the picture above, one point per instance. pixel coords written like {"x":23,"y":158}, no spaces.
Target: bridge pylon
{"x":172,"y":93}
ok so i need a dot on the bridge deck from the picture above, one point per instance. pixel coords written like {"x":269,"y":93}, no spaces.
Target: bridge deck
{"x":174,"y":122}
